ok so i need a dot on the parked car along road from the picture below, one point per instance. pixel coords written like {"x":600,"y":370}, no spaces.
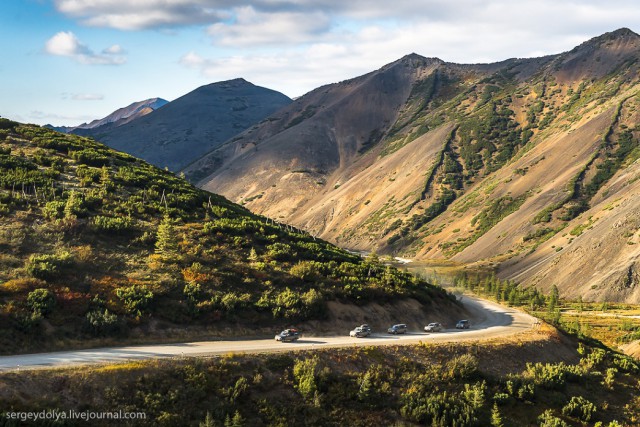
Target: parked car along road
{"x":361,"y":331}
{"x":433,"y":327}
{"x":288,"y":335}
{"x":400,"y":328}
{"x":463,"y":324}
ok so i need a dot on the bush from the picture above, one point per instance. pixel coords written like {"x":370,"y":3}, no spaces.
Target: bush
{"x":53,"y":209}
{"x":580,"y":408}
{"x":41,"y":301}
{"x":547,"y":419}
{"x":112,"y":224}
{"x":135,"y":298}
{"x":48,"y":266}
{"x":101,"y":323}
{"x":547,"y":375}
{"x":304,"y":373}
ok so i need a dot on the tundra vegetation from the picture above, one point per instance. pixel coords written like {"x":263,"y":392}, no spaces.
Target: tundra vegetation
{"x":550,"y":380}
{"x":97,"y":246}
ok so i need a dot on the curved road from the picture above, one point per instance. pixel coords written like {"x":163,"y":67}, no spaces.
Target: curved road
{"x":488,"y":320}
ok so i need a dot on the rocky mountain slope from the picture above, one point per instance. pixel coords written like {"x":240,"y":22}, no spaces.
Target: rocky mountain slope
{"x":190,"y":126}
{"x":527,"y":165}
{"x":97,"y":245}
{"x":118,"y":118}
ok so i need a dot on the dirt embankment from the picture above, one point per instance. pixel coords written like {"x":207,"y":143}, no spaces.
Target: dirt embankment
{"x":344,"y":317}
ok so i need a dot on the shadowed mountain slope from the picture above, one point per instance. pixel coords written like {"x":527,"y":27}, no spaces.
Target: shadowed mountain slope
{"x":190,"y":126}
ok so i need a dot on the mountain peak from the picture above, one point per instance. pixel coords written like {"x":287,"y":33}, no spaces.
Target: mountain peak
{"x":620,"y":35}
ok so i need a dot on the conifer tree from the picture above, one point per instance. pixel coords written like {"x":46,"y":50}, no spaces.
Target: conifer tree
{"x":166,"y":238}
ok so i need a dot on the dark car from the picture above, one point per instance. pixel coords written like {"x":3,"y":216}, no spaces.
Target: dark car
{"x":361,"y":331}
{"x":433,"y":327}
{"x":400,"y":328}
{"x":288,"y":335}
{"x":463,"y":324}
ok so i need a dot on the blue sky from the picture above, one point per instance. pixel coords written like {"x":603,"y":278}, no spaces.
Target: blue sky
{"x":69,"y":61}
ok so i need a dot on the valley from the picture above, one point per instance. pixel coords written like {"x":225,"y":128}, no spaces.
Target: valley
{"x":147,"y":258}
{"x":527,"y":166}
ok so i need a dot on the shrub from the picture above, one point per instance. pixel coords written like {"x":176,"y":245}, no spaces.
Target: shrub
{"x":41,"y":301}
{"x":48,"y":266}
{"x":463,"y":367}
{"x":547,"y":375}
{"x":135,"y":298}
{"x":112,"y":224}
{"x":547,"y":419}
{"x":304,"y":373}
{"x":279,"y":251}
{"x":53,"y":209}
{"x":101,"y":323}
{"x":580,"y":408}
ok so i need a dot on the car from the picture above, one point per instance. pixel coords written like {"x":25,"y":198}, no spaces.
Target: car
{"x":463,"y":324}
{"x":361,"y":331}
{"x":288,"y":335}
{"x":433,"y":327}
{"x":400,"y":328}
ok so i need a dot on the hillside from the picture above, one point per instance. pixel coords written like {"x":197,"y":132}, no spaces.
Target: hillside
{"x":97,"y":246}
{"x":188,"y":127}
{"x":526,"y":166}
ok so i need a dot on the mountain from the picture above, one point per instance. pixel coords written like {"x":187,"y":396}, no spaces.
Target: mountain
{"x":192,"y":125}
{"x":118,"y":118}
{"x":97,"y":245}
{"x":526,"y":166}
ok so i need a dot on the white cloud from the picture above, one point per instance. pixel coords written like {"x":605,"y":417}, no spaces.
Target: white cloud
{"x":43,"y":117}
{"x":87,"y":97}
{"x":65,"y":43}
{"x":253,"y":28}
{"x":114,"y":50}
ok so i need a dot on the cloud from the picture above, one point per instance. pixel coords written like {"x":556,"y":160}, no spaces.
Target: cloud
{"x":65,"y":43}
{"x":87,"y":97}
{"x":143,"y":14}
{"x":42,"y":117}
{"x":252,"y":28}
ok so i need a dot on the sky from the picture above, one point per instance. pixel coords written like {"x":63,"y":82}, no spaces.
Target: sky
{"x":66,"y":62}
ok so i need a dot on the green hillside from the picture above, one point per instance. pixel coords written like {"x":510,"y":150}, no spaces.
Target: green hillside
{"x":98,"y":246}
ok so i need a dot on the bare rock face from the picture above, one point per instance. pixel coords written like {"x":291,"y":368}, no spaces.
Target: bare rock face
{"x":527,"y":166}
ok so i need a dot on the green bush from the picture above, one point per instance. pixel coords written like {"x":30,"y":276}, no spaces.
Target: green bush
{"x":136,"y":298}
{"x":112,"y":224}
{"x":102,"y":323}
{"x":41,"y":301}
{"x":48,"y":266}
{"x":549,"y":376}
{"x":53,"y":209}
{"x":547,"y":419}
{"x":580,"y":408}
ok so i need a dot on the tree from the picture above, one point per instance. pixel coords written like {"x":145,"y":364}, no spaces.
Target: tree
{"x":166,"y":238}
{"x":553,"y":299}
{"x":496,"y":418}
{"x":208,"y":421}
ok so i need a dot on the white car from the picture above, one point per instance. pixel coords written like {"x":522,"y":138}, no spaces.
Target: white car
{"x":361,"y":331}
{"x":433,"y":327}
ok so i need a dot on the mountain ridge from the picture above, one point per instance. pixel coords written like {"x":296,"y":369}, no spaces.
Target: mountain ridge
{"x":195,"y":123}
{"x":430,"y":159}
